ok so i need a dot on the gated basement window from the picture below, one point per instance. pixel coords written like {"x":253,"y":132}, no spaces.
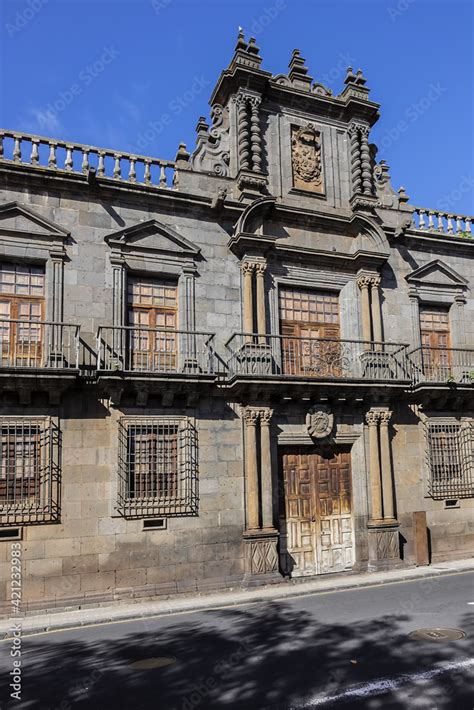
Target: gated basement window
{"x":157,"y":467}
{"x":29,"y":471}
{"x":450,"y":457}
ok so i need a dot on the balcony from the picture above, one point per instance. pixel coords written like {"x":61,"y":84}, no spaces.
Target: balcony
{"x":38,"y":355}
{"x":151,"y":355}
{"x":442,"y":366}
{"x":319,"y":360}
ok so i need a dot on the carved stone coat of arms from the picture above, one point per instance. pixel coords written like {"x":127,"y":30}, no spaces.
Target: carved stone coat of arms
{"x":306,"y":158}
{"x":319,"y":422}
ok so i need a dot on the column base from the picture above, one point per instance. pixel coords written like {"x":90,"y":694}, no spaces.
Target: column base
{"x":261,"y":552}
{"x":384,"y":545}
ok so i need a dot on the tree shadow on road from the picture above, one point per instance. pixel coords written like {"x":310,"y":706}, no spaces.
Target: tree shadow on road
{"x":255,"y":658}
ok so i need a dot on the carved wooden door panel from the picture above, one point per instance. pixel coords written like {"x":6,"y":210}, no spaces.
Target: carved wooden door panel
{"x":334,"y":518}
{"x":299,"y":513}
{"x":435,"y":342}
{"x":318,"y":512}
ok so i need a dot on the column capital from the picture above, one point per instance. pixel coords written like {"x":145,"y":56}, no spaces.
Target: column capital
{"x":265,"y":416}
{"x":385,"y":417}
{"x":363,"y":281}
{"x":247,"y":267}
{"x":250,"y":415}
{"x":260,"y":268}
{"x":372,"y":417}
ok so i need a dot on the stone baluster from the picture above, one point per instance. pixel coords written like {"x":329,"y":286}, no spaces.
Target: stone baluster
{"x":101,"y":164}
{"x":1,"y":146}
{"x":132,"y":173}
{"x":468,"y":225}
{"x":147,"y":173}
{"x":355,"y":158}
{"x":34,"y":158}
{"x":117,"y":167}
{"x":449,"y":227}
{"x":363,"y":282}
{"x":52,"y":156}
{"x":243,"y":132}
{"x":255,"y":137}
{"x":386,"y":465}
{"x":68,"y":163}
{"x":421,"y":219}
{"x":431,"y":220}
{"x":162,"y":180}
{"x":372,"y":418}
{"x":367,"y":186}
{"x":17,"y":150}
{"x":266,"y":468}
{"x":459,"y":228}
{"x":85,"y":161}
{"x":440,"y":226}
{"x":251,"y":472}
{"x":247,"y":271}
{"x":260,"y":295}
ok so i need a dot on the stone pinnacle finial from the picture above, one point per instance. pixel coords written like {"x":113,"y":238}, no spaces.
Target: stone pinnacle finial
{"x":360,"y":79}
{"x":350,"y":76}
{"x":298,"y":74}
{"x":241,"y":43}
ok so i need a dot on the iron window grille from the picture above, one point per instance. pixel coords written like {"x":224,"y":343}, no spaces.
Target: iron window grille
{"x":157,"y":467}
{"x":450,"y":454}
{"x":29,"y":471}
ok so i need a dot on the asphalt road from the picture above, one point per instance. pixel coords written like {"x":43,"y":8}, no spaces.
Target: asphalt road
{"x":347,"y":649}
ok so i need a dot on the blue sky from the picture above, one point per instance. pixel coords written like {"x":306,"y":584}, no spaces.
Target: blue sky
{"x":136,"y":74}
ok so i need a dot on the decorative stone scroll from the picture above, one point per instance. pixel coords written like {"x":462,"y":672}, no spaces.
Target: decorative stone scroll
{"x":306,"y":159}
{"x":319,"y":422}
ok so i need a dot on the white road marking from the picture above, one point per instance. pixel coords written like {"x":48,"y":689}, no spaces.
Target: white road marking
{"x":385,"y":685}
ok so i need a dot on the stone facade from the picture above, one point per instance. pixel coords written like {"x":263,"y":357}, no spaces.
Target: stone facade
{"x":282,"y":193}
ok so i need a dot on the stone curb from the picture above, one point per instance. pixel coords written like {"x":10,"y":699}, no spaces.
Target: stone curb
{"x":90,"y":617}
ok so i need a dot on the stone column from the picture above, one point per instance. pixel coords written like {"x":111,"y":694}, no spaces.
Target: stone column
{"x":255,"y":138}
{"x":355,"y":158}
{"x":243,"y":132}
{"x":260,"y":278}
{"x":363,"y":283}
{"x":251,"y":473}
{"x":367,"y":186}
{"x":247,"y":271}
{"x":372,"y":419}
{"x":376,"y":309}
{"x":386,"y":465}
{"x":188,"y":342}
{"x":266,"y":468}
{"x":57,"y":264}
{"x":119,"y":291}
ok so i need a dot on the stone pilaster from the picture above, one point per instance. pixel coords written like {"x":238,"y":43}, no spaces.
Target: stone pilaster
{"x":248,"y":268}
{"x":363,"y":283}
{"x":376,"y":309}
{"x":366,"y":167}
{"x":266,"y":469}
{"x":356,"y":169}
{"x":255,"y":137}
{"x":372,"y":418}
{"x":243,"y":137}
{"x":386,"y":466}
{"x":251,"y":471}
{"x":260,"y":293}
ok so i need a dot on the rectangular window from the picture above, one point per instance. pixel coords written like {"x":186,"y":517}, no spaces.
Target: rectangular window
{"x":157,"y":466}
{"x":21,"y":313}
{"x":28,"y":470}
{"x":450,"y":453}
{"x":435,"y":342}
{"x":153,"y":313}
{"x":309,"y":322}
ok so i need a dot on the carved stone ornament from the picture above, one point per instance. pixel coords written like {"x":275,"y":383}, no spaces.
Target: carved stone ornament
{"x":306,"y":158}
{"x":319,"y":422}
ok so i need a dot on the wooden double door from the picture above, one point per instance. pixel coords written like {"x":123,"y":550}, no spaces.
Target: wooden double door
{"x":316,"y":523}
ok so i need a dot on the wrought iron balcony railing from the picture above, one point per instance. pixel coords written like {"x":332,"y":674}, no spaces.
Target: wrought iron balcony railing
{"x":442,"y":365}
{"x":155,"y":350}
{"x":316,"y":358}
{"x":38,"y":345}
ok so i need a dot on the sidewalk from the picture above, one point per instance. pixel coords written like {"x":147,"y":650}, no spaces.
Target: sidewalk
{"x":182,"y":604}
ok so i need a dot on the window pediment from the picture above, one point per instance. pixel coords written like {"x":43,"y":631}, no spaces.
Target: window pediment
{"x":436,"y":274}
{"x":154,"y":238}
{"x":16,"y":220}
